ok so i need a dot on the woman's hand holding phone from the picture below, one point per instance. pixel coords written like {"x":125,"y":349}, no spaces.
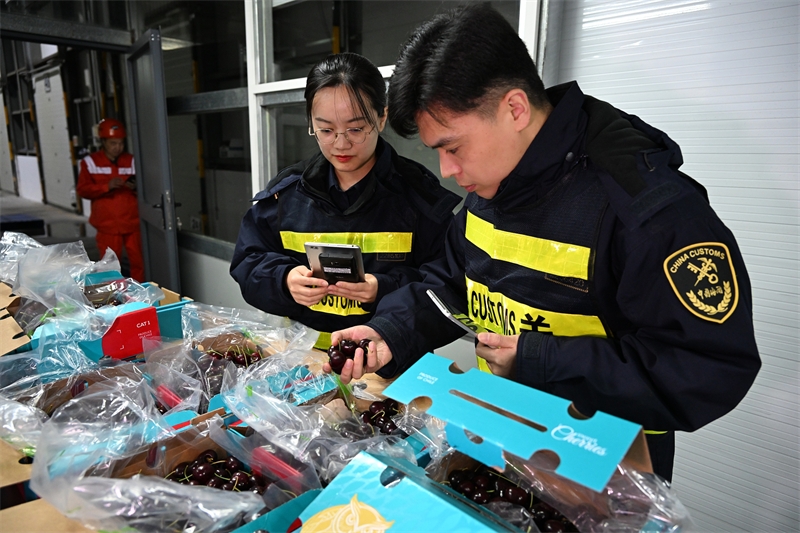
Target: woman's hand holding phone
{"x":304,"y":288}
{"x":364,"y":292}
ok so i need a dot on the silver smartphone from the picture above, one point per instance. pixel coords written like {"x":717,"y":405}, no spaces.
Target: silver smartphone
{"x":335,"y":262}
{"x":457,"y":317}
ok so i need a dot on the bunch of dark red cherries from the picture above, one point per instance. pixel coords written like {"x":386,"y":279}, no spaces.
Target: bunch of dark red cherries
{"x":338,"y":355}
{"x":225,"y":474}
{"x":484,"y":485}
{"x":237,"y":354}
{"x":380,"y":415}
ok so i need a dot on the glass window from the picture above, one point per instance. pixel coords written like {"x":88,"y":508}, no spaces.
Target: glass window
{"x":203,"y":44}
{"x":306,"y":32}
{"x":293,"y":141}
{"x":211,"y":176}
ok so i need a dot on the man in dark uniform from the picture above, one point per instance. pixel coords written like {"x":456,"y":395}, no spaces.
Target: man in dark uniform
{"x":599,"y":269}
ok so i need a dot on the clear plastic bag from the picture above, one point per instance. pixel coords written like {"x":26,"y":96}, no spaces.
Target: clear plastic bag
{"x":120,"y":292}
{"x":174,"y":390}
{"x":97,"y":463}
{"x":13,"y":246}
{"x":286,"y":473}
{"x":263,"y":398}
{"x":21,"y":425}
{"x":25,"y":377}
{"x":631,"y":501}
{"x":202,"y":324}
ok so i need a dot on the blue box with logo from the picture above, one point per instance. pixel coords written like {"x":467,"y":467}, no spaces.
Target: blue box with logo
{"x":376,"y":493}
{"x":488,"y":416}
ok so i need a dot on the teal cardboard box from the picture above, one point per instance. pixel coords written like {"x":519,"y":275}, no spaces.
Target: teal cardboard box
{"x":488,"y":416}
{"x":376,"y":494}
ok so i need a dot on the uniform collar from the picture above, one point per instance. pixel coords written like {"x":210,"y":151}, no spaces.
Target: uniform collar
{"x":319,"y":177}
{"x":548,"y":157}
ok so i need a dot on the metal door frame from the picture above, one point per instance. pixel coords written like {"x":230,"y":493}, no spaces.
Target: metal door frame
{"x":150,"y":41}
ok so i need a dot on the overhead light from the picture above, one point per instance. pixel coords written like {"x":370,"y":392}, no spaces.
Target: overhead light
{"x":171,"y":43}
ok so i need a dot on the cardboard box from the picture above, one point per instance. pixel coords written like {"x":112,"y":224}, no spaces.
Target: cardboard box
{"x":123,"y":339}
{"x":38,"y":516}
{"x":491,"y":418}
{"x":11,"y":335}
{"x":15,"y":467}
{"x":377,"y":494}
{"x":281,"y":519}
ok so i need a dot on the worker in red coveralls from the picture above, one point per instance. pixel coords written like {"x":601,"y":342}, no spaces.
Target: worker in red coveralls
{"x":108,"y":179}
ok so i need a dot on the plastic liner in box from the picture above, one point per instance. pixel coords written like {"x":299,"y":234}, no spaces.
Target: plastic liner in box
{"x":94,"y":437}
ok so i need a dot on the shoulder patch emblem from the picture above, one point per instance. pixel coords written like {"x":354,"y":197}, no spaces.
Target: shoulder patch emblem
{"x":703,"y":279}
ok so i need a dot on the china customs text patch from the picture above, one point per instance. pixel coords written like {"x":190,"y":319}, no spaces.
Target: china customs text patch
{"x":704,"y":280}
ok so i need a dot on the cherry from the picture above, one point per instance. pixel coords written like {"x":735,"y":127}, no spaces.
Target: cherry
{"x":348,"y":348}
{"x":481,"y":496}
{"x":208,"y":456}
{"x":255,"y":357}
{"x":377,"y":407}
{"x":194,"y":482}
{"x":389,"y":427}
{"x":391,"y":405}
{"x":364,"y":345}
{"x":337,"y":361}
{"x":227,"y":486}
{"x":203,"y":472}
{"x":380,"y":420}
{"x":334,"y":347}
{"x":240,"y":359}
{"x":234,"y":464}
{"x":456,"y":477}
{"x":554,"y":526}
{"x":539,"y":514}
{"x":241,"y":480}
{"x":366,"y":417}
{"x":183,"y":469}
{"x":516,"y":495}
{"x":482,"y":482}
{"x":222,"y":473}
{"x":230,"y":355}
{"x":215,"y":483}
{"x":467,"y":488}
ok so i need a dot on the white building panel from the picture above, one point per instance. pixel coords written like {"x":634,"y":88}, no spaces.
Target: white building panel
{"x":54,"y":147}
{"x":721,"y":78}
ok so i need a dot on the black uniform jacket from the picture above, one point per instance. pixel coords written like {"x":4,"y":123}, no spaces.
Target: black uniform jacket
{"x":400,"y":198}
{"x":659,"y":320}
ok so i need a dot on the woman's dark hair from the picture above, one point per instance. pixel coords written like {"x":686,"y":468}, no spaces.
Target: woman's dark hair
{"x":459,"y":61}
{"x":355,"y":73}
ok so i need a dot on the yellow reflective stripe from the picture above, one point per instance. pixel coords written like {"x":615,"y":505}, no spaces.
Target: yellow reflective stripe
{"x":336,"y":305}
{"x":561,"y":259}
{"x":370,"y":243}
{"x":496,"y":312}
{"x":323,"y":342}
{"x":653,"y":432}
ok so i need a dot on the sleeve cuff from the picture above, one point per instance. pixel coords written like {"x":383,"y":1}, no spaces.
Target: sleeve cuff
{"x":390,"y":334}
{"x":530,"y":364}
{"x":385,"y":286}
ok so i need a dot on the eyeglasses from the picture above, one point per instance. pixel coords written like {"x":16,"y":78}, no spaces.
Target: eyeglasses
{"x":353,"y":135}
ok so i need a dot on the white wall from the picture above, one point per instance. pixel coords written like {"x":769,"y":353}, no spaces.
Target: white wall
{"x":30,"y":186}
{"x":721,"y":78}
{"x":206,"y":280}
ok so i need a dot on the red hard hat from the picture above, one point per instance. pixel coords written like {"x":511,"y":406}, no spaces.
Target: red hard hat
{"x":110,"y":128}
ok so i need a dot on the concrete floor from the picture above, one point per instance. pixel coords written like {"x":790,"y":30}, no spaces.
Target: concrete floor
{"x":60,"y":225}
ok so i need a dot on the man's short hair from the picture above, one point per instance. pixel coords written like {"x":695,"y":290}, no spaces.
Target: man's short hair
{"x":460,"y":61}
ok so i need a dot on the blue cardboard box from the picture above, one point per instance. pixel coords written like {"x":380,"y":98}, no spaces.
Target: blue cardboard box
{"x":488,"y":416}
{"x":375,"y":493}
{"x":279,"y":520}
